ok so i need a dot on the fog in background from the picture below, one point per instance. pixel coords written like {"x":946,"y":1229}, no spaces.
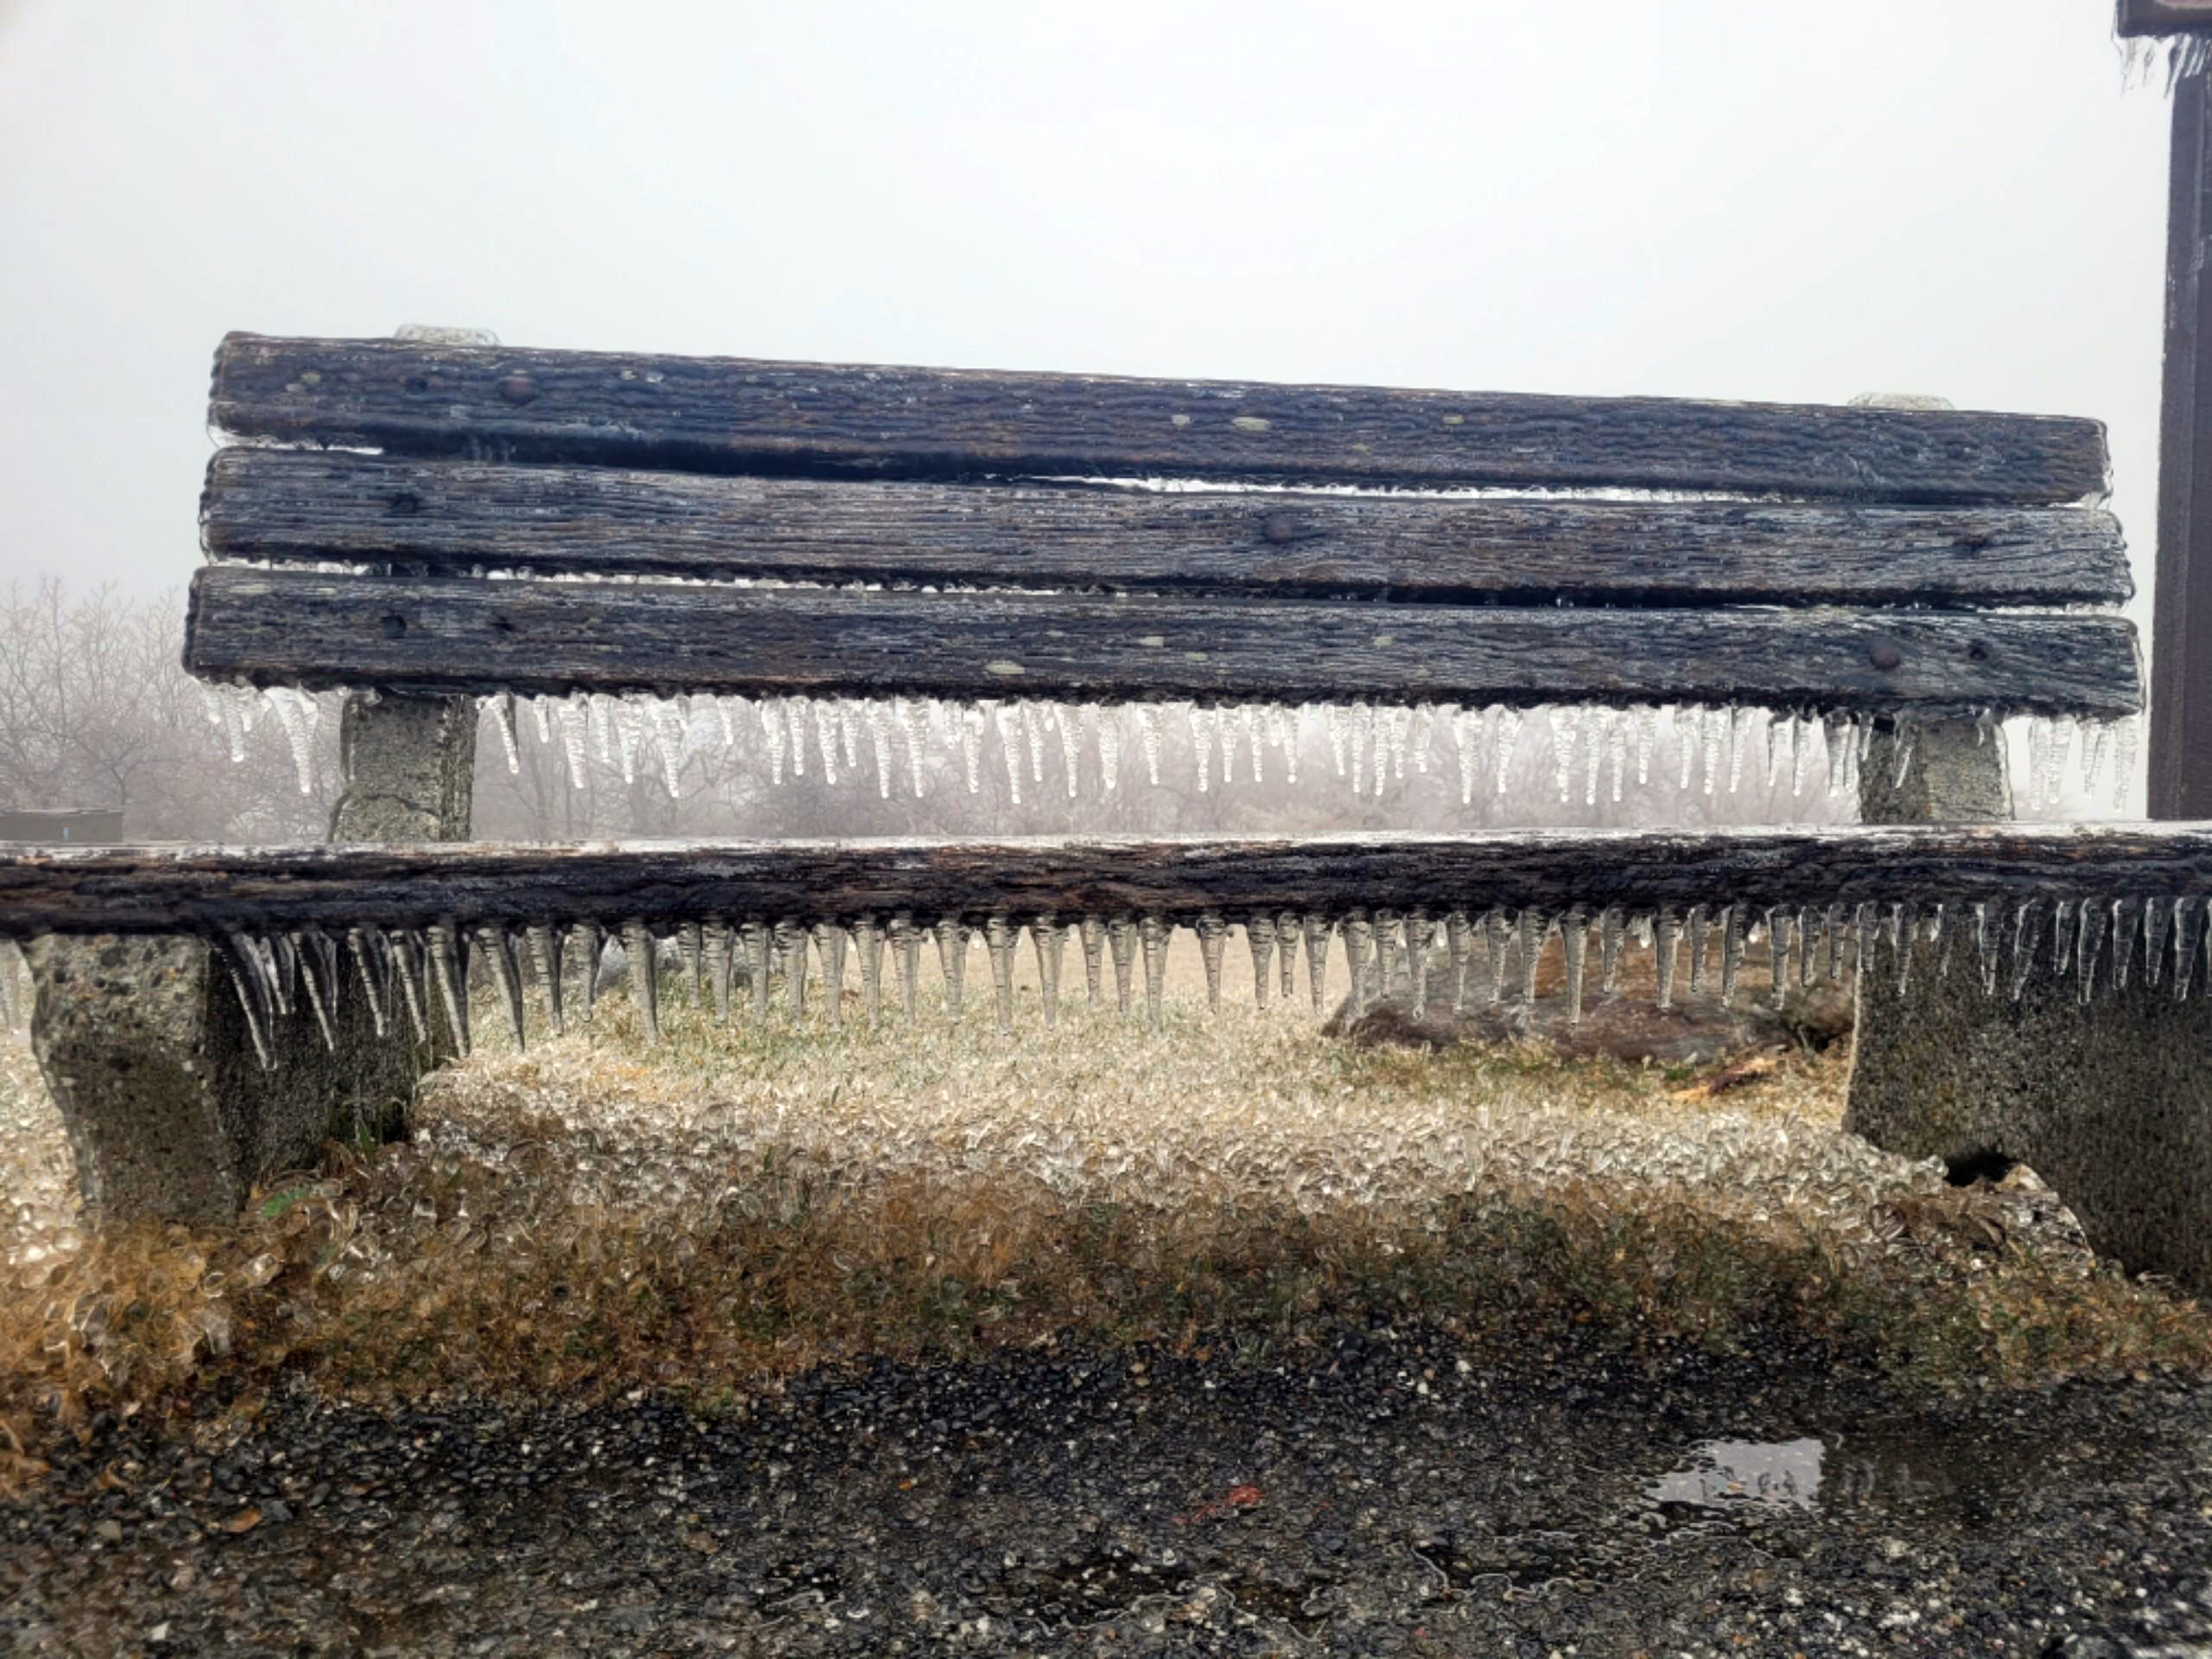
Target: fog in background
{"x":1733,"y":199}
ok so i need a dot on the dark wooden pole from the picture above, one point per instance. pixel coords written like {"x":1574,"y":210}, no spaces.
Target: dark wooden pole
{"x":2181,"y":626}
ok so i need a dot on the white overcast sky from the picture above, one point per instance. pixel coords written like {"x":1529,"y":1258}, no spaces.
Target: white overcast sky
{"x":1793,"y":200}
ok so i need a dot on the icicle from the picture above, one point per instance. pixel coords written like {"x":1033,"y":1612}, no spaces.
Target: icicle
{"x":2157,"y":917}
{"x":905,"y":959}
{"x":1566,"y":722}
{"x":2189,"y":926}
{"x":1248,"y":721}
{"x":1616,"y":726}
{"x":771,"y":733}
{"x":1420,"y":939}
{"x":503,"y":720}
{"x":867,"y":942}
{"x":971,"y":719}
{"x":879,"y":737}
{"x":1731,"y":950}
{"x":1610,"y":932}
{"x":2062,"y":936}
{"x":2096,"y":738}
{"x":358,"y":944}
{"x":721,"y":952}
{"x":1363,"y":728}
{"x":1593,"y":743}
{"x":1110,"y":745}
{"x":1666,"y":934}
{"x":287,"y":701}
{"x":1809,"y":934}
{"x":2127,"y":917}
{"x":908,"y":719}
{"x":1339,"y":733}
{"x":825,"y":738}
{"x":1213,"y":939}
{"x":453,"y":985}
{"x":848,"y":727}
{"x":246,"y":981}
{"x":1984,"y":940}
{"x":1646,"y":716}
{"x":575,"y":713}
{"x":1202,"y":729}
{"x":829,"y":947}
{"x":1834,"y":737}
{"x":1685,"y":722}
{"x":1154,"y":932}
{"x":586,"y":945}
{"x":1092,"y":933}
{"x":1224,"y":726}
{"x":670,"y":732}
{"x":1286,"y":933}
{"x":1574,"y":938}
{"x":1071,"y":745}
{"x":645,"y":977}
{"x":952,"y":961}
{"x":312,"y":979}
{"x":1717,"y":723}
{"x":629,"y":733}
{"x":1359,"y":941}
{"x":1739,"y":727}
{"x":1121,"y":938}
{"x":1259,"y":936}
{"x":1903,"y":929}
{"x":2123,"y":766}
{"x":2025,"y":926}
{"x":1496,"y":932}
{"x":1534,"y":928}
{"x":1424,"y":735}
{"x":1290,"y":738}
{"x":1458,"y":935}
{"x":275,"y":955}
{"x":1505,"y":733}
{"x":727,"y":710}
{"x":1009,"y":724}
{"x":1397,"y":721}
{"x":1463,"y":736}
{"x":691,"y":947}
{"x":2093,"y":915}
{"x":1697,"y":933}
{"x":1832,"y":930}
{"x":498,"y":946}
{"x":759,"y":957}
{"x":790,"y":940}
{"x":1049,"y":939}
{"x":1386,"y":951}
{"x":1781,"y":751}
{"x":1148,"y":733}
{"x":1940,"y":935}
{"x":1906,"y":736}
{"x":1315,"y":927}
{"x":795,"y":728}
{"x":1000,"y":938}
{"x":545,"y":960}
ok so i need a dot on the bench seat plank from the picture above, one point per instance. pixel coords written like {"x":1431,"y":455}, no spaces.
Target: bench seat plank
{"x":162,"y":889}
{"x":538,"y":635}
{"x":736,"y":415}
{"x":449,"y":517}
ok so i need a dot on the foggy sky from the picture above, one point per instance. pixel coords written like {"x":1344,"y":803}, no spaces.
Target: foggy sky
{"x":1711,"y":198}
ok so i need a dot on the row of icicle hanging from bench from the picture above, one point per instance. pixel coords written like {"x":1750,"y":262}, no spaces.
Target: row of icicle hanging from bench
{"x":272,"y":971}
{"x":1593,"y":747}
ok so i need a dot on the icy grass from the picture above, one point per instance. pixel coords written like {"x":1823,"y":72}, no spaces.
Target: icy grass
{"x":747,"y":1201}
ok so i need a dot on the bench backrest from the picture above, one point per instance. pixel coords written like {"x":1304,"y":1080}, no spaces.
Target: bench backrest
{"x":783,"y":530}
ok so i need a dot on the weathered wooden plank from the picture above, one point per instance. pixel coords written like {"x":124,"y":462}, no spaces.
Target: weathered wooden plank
{"x":166,"y":889}
{"x":444,"y":518}
{"x":538,"y":635}
{"x":2165,"y":17}
{"x":2181,"y":623}
{"x":736,"y":415}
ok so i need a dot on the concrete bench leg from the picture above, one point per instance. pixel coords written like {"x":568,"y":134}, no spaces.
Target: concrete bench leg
{"x":2111,"y":1103}
{"x":147,"y":1051}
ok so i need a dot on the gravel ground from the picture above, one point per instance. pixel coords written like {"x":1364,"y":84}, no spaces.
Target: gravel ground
{"x":1389,"y":1492}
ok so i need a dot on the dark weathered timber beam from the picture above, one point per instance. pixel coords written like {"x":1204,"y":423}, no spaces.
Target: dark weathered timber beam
{"x":2165,"y":17}
{"x":736,"y":415}
{"x":539,"y":636}
{"x":168,"y":889}
{"x":440,"y":517}
{"x":2181,"y":622}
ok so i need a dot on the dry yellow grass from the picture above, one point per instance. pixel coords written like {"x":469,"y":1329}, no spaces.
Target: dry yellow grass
{"x":753,"y":1199}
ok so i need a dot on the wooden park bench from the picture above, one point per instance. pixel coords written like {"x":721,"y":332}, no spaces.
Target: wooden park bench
{"x":431,"y":522}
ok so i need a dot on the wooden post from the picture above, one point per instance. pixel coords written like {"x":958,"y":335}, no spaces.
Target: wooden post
{"x":2181,"y":626}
